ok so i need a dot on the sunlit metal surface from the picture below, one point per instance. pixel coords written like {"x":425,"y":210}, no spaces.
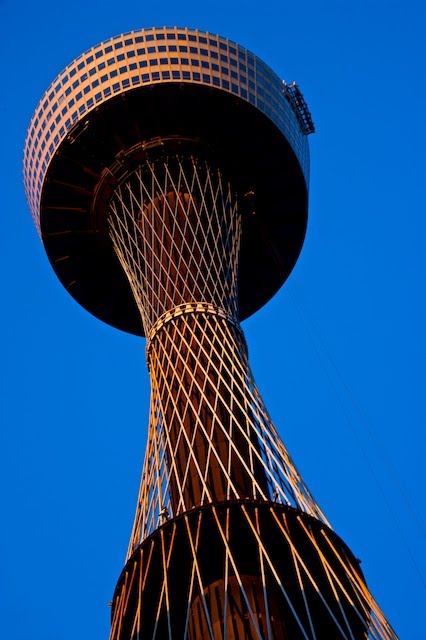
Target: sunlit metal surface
{"x":223,"y":515}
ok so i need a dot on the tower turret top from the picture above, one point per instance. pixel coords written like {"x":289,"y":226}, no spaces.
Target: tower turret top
{"x":152,"y":84}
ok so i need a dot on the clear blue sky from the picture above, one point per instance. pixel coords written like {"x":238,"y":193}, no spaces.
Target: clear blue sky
{"x":339,"y":353}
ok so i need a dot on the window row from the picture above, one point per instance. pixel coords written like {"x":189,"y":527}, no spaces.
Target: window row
{"x":244,"y":56}
{"x":263,"y":93}
{"x":158,"y":36}
{"x":243,"y":66}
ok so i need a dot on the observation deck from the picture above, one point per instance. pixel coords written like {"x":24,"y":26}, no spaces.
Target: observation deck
{"x":105,"y":109}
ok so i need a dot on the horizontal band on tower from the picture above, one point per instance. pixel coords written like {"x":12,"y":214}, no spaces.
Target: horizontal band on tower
{"x":191,"y":307}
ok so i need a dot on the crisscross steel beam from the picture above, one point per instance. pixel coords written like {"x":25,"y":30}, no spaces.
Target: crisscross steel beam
{"x":176,"y":228}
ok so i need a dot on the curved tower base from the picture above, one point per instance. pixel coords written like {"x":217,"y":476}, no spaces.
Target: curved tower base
{"x":242,"y":571}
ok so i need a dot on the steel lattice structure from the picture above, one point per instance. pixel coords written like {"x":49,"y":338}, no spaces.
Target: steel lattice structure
{"x":166,"y":220}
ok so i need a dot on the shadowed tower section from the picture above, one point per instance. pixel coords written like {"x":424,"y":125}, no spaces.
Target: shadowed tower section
{"x":171,"y":196}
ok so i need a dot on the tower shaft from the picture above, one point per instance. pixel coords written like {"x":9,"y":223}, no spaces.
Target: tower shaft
{"x":176,"y":228}
{"x":227,"y":540}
